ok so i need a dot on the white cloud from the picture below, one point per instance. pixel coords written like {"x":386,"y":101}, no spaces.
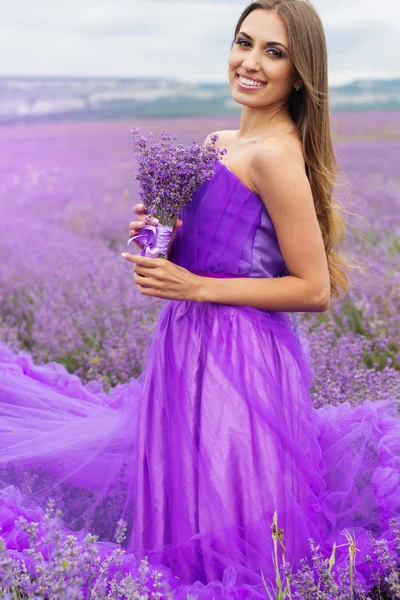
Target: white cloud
{"x":187,"y":39}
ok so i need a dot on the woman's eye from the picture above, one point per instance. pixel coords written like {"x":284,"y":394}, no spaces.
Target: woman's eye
{"x":279,"y":54}
{"x":240,"y":42}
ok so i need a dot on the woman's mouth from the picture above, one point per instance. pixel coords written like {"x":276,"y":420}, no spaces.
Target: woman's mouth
{"x":249,"y":84}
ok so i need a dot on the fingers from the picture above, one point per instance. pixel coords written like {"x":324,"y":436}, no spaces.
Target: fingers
{"x":136,"y":226}
{"x":177,"y":224}
{"x":144,"y":261}
{"x":154,"y":221}
{"x":139,"y":209}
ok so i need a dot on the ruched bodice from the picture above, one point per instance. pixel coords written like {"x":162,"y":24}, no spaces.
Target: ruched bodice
{"x":227,"y":229}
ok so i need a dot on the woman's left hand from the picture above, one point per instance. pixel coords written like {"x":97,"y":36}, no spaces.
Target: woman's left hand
{"x":162,"y":278}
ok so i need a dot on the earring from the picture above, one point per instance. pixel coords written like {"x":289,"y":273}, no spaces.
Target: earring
{"x":297,"y":87}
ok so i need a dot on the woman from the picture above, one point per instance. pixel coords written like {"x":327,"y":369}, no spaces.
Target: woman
{"x":267,"y":212}
{"x":218,"y":433}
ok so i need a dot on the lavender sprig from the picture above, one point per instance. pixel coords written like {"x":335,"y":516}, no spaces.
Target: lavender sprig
{"x":168,"y":175}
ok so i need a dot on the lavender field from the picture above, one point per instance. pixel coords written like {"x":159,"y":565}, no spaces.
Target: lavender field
{"x":66,"y":295}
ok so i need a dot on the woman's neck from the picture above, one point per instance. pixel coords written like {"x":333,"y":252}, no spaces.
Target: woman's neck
{"x":265,"y":122}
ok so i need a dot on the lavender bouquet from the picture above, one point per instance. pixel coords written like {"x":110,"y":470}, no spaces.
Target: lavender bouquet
{"x":168,"y":174}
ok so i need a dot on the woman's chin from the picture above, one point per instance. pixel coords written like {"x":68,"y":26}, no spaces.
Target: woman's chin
{"x":245,"y":100}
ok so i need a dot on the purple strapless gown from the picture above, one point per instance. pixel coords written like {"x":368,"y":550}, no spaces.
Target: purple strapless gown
{"x":216,"y":434}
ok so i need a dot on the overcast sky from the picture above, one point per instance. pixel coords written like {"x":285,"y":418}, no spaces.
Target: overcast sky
{"x":184,"y":39}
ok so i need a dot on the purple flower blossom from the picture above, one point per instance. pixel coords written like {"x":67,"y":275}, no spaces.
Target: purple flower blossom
{"x":66,"y":200}
{"x":169,"y":175}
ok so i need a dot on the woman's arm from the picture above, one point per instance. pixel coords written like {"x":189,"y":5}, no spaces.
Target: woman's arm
{"x":277,"y":173}
{"x":285,"y":294}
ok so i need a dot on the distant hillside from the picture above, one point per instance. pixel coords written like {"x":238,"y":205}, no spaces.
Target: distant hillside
{"x":367,"y":94}
{"x":38,"y":99}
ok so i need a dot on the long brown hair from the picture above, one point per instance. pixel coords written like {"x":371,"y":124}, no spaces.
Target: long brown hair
{"x":309,"y":108}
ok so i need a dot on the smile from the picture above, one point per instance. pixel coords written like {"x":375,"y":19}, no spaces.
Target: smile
{"x":249,"y":83}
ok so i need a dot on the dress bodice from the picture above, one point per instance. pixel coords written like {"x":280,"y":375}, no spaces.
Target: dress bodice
{"x":227,"y":229}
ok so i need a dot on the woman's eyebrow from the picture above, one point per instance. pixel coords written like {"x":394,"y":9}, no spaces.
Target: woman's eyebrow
{"x":246,"y":35}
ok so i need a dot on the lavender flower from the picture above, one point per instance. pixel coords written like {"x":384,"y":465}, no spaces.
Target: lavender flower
{"x":169,"y":175}
{"x":68,"y":299}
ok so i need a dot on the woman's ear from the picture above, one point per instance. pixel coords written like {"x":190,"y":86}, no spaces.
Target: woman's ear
{"x":298,"y":84}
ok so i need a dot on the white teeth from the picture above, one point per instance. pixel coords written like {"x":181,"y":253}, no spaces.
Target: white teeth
{"x":250,"y":82}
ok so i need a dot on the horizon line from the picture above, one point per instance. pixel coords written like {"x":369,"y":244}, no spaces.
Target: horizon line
{"x":174,"y":79}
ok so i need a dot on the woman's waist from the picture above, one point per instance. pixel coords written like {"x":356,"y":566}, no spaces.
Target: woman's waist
{"x":223,"y":274}
{"x":213,"y":274}
{"x":277,"y":315}
{"x":255,"y":274}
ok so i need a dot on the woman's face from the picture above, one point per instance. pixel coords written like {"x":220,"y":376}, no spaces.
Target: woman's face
{"x":260,"y":52}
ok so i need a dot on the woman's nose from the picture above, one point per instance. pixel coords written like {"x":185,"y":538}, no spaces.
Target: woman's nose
{"x":251,"y":61}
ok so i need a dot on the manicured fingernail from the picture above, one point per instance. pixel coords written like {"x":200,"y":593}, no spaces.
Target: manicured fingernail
{"x":156,"y":220}
{"x":124,"y":254}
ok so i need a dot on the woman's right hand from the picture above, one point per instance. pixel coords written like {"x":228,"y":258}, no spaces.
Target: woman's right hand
{"x":136,"y":226}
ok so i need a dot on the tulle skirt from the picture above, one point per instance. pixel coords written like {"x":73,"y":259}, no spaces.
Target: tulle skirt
{"x":216,"y":435}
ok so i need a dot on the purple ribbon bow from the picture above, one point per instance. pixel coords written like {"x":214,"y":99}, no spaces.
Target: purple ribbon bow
{"x":155,"y":239}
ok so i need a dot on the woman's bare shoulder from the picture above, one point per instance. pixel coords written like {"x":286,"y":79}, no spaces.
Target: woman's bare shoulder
{"x":223,"y":136}
{"x":288,"y":147}
{"x":274,"y":160}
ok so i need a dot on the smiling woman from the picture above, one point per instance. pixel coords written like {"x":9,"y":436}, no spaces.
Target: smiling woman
{"x":217,"y":444}
{"x":283,"y":73}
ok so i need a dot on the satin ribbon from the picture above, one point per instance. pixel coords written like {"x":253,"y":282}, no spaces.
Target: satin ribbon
{"x":155,"y":239}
